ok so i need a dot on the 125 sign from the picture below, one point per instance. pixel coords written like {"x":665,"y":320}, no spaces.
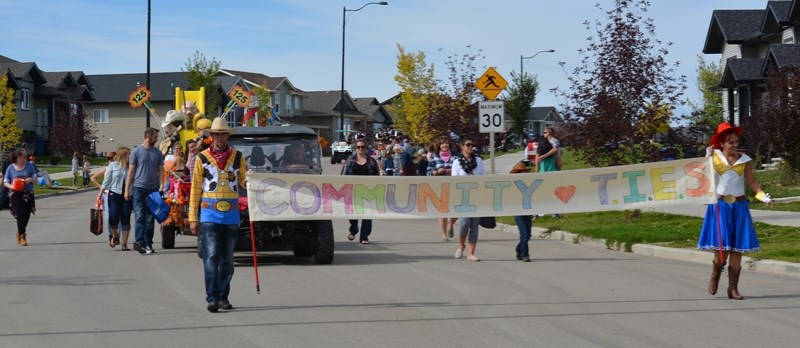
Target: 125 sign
{"x":491,"y":116}
{"x":138,"y":97}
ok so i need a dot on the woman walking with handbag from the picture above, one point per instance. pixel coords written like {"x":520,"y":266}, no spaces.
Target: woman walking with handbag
{"x":19,"y":179}
{"x":468,"y":164}
{"x":119,"y":209}
{"x":361,"y":164}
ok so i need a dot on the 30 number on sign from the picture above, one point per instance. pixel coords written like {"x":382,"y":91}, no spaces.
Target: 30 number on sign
{"x":491,"y":116}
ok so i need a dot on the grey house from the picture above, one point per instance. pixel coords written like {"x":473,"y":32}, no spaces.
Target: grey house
{"x":751,"y":42}
{"x":40,"y":97}
{"x":540,"y":117}
{"x":377,"y":116}
{"x":323,"y":107}
{"x":118,"y":124}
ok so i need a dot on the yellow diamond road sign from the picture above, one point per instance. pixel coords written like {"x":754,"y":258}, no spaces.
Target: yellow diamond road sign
{"x":491,"y":83}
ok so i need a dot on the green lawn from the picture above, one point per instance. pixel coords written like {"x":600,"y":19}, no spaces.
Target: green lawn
{"x":674,"y":231}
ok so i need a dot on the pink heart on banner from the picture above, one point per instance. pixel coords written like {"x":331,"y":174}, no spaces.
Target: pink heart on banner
{"x":564,"y":193}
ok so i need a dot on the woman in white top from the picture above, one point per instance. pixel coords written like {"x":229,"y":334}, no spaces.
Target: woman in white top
{"x":728,"y":227}
{"x":467,"y":164}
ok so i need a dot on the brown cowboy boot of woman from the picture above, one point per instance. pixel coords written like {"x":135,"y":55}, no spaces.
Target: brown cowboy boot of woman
{"x":733,"y":283}
{"x":716,"y":272}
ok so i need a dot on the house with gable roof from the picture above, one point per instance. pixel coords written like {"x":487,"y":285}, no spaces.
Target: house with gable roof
{"x":324,"y":108}
{"x":118,"y":124}
{"x":376,"y":116}
{"x":40,"y":95}
{"x":752,"y":42}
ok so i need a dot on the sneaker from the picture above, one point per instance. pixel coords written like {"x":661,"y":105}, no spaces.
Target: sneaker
{"x":459,"y":253}
{"x":138,"y":247}
{"x":473,"y":258}
{"x":525,"y":259}
{"x":213,"y":307}
{"x":224,"y":304}
{"x":148,"y":250}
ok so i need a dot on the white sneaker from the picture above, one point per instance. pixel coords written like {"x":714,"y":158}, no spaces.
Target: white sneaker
{"x":459,"y":253}
{"x":473,"y":258}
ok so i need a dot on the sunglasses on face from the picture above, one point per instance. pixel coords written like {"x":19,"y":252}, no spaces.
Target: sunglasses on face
{"x":361,"y":147}
{"x":468,"y":144}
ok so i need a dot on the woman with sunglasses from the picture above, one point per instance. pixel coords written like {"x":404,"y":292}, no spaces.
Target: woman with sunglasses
{"x":468,"y":164}
{"x":440,"y":164}
{"x":361,"y":164}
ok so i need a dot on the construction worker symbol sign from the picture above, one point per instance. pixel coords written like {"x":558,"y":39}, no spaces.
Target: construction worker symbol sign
{"x":491,"y":83}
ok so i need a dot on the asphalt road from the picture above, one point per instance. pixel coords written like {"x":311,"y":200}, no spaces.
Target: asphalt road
{"x":69,"y":289}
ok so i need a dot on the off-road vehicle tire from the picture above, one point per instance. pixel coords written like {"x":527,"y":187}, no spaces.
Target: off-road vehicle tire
{"x":324,"y":254}
{"x":168,"y":236}
{"x":302,"y":251}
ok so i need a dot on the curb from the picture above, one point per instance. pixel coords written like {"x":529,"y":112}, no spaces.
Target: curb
{"x":704,"y":257}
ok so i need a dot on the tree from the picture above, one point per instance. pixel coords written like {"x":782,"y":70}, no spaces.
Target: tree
{"x":615,"y":105}
{"x":71,"y":130}
{"x":262,"y":95}
{"x":455,"y":109}
{"x":775,"y":129}
{"x":417,"y":86}
{"x":10,"y":134}
{"x":708,"y":77}
{"x":521,"y":96}
{"x":203,"y":73}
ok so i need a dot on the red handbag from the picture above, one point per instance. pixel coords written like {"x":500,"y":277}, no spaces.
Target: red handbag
{"x":96,"y":218}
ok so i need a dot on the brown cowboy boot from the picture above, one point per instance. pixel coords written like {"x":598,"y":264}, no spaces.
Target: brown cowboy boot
{"x":733,"y":283}
{"x":19,"y":239}
{"x":716,"y":272}
{"x":22,"y":240}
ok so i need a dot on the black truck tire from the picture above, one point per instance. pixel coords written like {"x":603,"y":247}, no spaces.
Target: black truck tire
{"x":324,"y":254}
{"x":168,"y":236}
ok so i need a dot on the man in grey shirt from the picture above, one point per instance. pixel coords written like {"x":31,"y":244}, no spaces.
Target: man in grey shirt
{"x":145,"y":174}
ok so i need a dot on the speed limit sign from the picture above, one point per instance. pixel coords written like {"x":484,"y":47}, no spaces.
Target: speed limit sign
{"x":491,"y":116}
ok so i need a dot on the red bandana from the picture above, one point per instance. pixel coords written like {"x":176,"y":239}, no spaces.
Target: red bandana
{"x":221,"y":156}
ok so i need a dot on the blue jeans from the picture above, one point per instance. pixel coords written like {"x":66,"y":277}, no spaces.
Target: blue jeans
{"x":145,"y":222}
{"x":119,"y":212}
{"x":218,"y":242}
{"x":366,"y":228}
{"x":524,"y":224}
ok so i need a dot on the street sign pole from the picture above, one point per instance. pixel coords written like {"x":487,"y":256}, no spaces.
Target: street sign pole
{"x":491,"y":113}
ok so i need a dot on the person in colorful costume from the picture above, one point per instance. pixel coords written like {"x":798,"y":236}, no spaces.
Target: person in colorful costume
{"x":728,"y":226}
{"x":217,"y":178}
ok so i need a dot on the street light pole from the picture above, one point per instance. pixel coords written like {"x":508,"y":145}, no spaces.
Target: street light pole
{"x":521,"y":58}
{"x":341,"y":98}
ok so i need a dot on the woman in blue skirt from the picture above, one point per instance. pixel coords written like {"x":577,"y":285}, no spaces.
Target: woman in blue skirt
{"x":728,"y":227}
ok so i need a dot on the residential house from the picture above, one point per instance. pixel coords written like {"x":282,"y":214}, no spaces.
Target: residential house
{"x":41,"y":95}
{"x":118,"y":124}
{"x":751,"y":42}
{"x":286,"y":100}
{"x":540,"y":117}
{"x":376,"y":116}
{"x":324,"y":107}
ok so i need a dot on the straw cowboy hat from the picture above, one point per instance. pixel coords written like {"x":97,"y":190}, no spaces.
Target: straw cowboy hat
{"x":174,"y":116}
{"x":220,"y":125}
{"x":723,"y":129}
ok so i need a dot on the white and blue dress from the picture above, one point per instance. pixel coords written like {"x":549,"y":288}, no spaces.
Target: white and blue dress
{"x":729,"y":218}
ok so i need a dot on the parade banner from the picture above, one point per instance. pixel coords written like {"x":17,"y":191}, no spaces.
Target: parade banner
{"x":274,"y":196}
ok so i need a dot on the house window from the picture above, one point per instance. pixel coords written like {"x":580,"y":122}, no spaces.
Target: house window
{"x":289,"y":103}
{"x":25,"y":104}
{"x":297,"y":102}
{"x":41,"y":123}
{"x":100,"y":116}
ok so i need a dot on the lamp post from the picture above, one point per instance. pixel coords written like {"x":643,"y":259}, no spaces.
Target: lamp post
{"x":341,"y":99}
{"x":521,"y":58}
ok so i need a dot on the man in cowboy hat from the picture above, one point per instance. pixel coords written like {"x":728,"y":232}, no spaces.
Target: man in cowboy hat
{"x":217,"y":178}
{"x":172,"y":125}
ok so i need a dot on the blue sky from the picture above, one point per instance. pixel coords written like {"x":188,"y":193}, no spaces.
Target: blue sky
{"x":302,"y":39}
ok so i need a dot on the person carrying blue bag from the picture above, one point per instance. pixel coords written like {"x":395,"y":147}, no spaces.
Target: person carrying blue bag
{"x":145,"y":174}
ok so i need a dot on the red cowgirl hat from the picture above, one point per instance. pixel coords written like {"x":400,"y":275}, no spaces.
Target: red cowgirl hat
{"x":723,"y":129}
